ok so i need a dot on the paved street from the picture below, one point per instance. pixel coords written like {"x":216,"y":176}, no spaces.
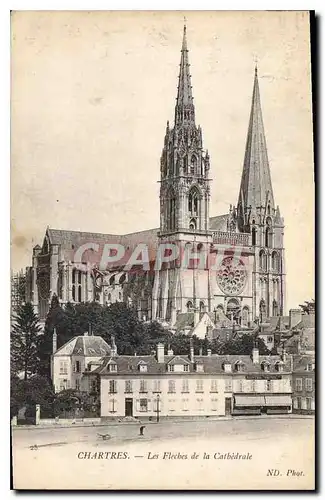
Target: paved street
{"x":77,"y":458}
{"x":263,"y":429}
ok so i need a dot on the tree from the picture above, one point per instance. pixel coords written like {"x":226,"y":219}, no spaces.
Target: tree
{"x":55,"y":319}
{"x":25,"y":332}
{"x":243,"y":345}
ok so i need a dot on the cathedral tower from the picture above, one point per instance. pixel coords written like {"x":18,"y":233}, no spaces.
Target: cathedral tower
{"x":184,"y":204}
{"x":258,"y":215}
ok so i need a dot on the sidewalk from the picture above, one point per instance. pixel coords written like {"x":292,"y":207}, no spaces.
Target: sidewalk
{"x":162,"y":421}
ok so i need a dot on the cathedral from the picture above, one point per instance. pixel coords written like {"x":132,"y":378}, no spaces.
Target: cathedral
{"x":242,"y":277}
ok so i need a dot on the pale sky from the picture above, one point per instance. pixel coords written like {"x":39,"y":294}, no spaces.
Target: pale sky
{"x":91,"y":95}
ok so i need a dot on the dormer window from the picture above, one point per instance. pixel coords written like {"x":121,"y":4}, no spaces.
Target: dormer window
{"x":142,"y":366}
{"x":186,"y":368}
{"x":199,"y":367}
{"x":112,"y":366}
{"x":279,"y":366}
{"x":265,"y":366}
{"x":239,"y":366}
{"x":227,"y":367}
{"x":171,"y":368}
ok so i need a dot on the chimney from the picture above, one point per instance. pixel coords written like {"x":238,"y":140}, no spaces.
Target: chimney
{"x":55,"y":341}
{"x":209,"y":352}
{"x":191,"y":351}
{"x":295,"y":316}
{"x":160,"y":352}
{"x":113,"y":347}
{"x":170,"y":352}
{"x":255,"y":354}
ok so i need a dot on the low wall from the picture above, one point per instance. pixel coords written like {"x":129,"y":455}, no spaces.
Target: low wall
{"x":69,"y":421}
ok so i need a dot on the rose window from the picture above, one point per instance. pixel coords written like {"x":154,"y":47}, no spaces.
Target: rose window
{"x":232,"y":276}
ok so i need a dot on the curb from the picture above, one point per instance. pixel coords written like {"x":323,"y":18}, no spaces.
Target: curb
{"x":111,"y":423}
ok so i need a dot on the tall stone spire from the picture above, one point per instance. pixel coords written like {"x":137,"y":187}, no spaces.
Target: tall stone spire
{"x":184,"y":109}
{"x":256,"y":193}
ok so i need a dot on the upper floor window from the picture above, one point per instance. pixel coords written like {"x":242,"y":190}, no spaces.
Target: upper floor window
{"x":156,"y":386}
{"x":185,"y":385}
{"x":298,"y":384}
{"x":77,"y":366}
{"x":143,"y":386}
{"x":112,"y":386}
{"x":309,"y":384}
{"x":214,"y":385}
{"x":128,"y":386}
{"x":171,"y":386}
{"x":63,"y":367}
{"x":199,"y":385}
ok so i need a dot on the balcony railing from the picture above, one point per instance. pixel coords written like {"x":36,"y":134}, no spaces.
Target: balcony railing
{"x":223,"y":237}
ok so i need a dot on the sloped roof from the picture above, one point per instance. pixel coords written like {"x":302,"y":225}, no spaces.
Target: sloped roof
{"x":84,"y":345}
{"x":300,"y":362}
{"x":70,"y":241}
{"x":211,"y":364}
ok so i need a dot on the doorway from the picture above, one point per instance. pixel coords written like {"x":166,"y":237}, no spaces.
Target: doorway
{"x":228,"y":406}
{"x":128,"y":407}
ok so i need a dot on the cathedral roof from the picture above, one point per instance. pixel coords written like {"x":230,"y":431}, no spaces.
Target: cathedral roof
{"x":84,"y":345}
{"x":256,"y":186}
{"x":70,"y":241}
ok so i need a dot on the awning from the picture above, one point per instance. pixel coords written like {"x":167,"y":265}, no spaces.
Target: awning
{"x":284,"y":400}
{"x":249,"y":401}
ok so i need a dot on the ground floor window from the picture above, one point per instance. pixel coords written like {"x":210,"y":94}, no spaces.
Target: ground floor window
{"x":112,"y":405}
{"x":214,"y":404}
{"x":143,"y":404}
{"x":308,"y":403}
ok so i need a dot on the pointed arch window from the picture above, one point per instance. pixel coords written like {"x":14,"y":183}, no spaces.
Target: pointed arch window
{"x":193,"y":202}
{"x":253,"y":236}
{"x":275,"y":309}
{"x":185,"y":164}
{"x":275,"y":262}
{"x":171,"y":210}
{"x":192,"y":225}
{"x":268,"y":234}
{"x":245,"y":316}
{"x":263,"y":261}
{"x":193,"y":165}
{"x":189,"y":306}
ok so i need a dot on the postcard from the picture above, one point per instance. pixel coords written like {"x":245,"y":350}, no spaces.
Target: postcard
{"x":162,"y":230}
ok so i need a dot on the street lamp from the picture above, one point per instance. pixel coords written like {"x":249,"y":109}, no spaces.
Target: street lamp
{"x":158,"y":409}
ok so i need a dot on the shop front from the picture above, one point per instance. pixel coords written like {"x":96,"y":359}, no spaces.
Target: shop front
{"x":257,"y":404}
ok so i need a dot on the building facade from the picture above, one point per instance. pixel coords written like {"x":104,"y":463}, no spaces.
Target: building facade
{"x":247,"y":278}
{"x":73,"y":359}
{"x":303,"y":384}
{"x":187,"y":386}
